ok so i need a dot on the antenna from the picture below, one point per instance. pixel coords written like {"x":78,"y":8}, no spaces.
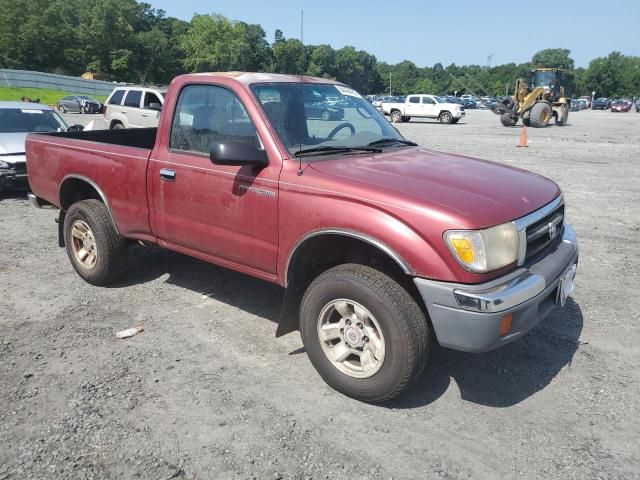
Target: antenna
{"x":301,"y":96}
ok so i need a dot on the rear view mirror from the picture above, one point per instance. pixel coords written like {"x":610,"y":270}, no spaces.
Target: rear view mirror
{"x":155,"y":106}
{"x":75,"y":128}
{"x":237,"y":153}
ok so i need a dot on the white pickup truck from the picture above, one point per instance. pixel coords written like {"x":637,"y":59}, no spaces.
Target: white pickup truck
{"x":424,"y":106}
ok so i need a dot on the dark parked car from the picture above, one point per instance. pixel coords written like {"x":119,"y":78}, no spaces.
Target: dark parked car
{"x":638,"y":106}
{"x":323,"y":110}
{"x":469,"y":104}
{"x":78,"y":104}
{"x":620,"y":106}
{"x":601,"y":104}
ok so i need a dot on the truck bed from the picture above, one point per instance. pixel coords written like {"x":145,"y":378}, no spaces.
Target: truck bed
{"x":113,"y":161}
{"x":133,"y":137}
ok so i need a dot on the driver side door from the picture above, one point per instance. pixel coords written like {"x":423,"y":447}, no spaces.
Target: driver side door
{"x":226,"y":214}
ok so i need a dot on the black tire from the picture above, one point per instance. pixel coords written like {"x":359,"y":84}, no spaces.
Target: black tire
{"x":526,"y":122}
{"x":540,"y":115}
{"x":325,"y":115}
{"x":116,"y":126}
{"x":111,"y":254}
{"x":61,"y":109}
{"x":407,"y":336}
{"x":508,"y":120}
{"x":561,"y":120}
{"x":445,"y":117}
{"x":396,"y":116}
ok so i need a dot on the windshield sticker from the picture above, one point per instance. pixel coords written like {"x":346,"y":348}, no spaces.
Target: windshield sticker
{"x":347,"y":91}
{"x":31,"y":111}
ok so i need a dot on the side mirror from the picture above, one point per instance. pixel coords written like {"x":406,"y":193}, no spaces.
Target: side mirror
{"x":237,"y":153}
{"x":155,"y":106}
{"x":75,"y":128}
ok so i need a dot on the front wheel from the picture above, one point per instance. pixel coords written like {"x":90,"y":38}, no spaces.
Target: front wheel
{"x":96,"y":250}
{"x":396,"y":116}
{"x":446,"y":117}
{"x":540,"y":115}
{"x":61,"y":109}
{"x":363,"y":333}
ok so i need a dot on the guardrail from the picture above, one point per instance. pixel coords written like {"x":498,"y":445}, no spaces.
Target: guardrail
{"x":31,"y":79}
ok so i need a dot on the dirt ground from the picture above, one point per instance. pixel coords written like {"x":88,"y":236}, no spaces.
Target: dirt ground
{"x":206,"y":391}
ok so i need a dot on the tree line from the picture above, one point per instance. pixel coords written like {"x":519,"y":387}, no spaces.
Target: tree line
{"x":130,"y":41}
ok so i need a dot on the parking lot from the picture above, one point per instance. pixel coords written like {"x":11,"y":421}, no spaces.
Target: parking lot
{"x":206,"y":391}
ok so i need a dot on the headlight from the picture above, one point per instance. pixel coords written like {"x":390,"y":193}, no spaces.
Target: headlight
{"x":484,"y":250}
{"x":4,"y":164}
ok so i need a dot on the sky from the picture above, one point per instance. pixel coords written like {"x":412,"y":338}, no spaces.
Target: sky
{"x":426,"y":32}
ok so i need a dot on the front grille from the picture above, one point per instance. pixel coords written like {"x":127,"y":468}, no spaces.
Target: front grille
{"x":539,"y":233}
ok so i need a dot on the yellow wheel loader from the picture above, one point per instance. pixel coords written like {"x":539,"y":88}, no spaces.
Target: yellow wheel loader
{"x":538,"y":101}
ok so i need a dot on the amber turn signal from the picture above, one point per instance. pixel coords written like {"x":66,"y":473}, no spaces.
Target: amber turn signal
{"x":505,"y":324}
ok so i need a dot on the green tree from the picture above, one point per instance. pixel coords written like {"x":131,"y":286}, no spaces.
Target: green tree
{"x":553,"y":58}
{"x":290,"y":56}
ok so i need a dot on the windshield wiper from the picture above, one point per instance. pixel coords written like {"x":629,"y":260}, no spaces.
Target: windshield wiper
{"x":329,"y":150}
{"x":383,"y":141}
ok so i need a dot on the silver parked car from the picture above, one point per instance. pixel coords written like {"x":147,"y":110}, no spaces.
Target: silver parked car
{"x":134,"y":107}
{"x":17,"y":119}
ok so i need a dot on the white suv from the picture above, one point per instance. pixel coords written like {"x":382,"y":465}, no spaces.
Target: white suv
{"x":134,"y":107}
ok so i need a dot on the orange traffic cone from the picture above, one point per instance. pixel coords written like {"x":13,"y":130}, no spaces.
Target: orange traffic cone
{"x":523,"y":137}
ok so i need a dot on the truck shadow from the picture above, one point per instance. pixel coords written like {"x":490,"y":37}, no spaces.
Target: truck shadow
{"x":501,"y":378}
{"x":507,"y":376}
{"x":250,"y":294}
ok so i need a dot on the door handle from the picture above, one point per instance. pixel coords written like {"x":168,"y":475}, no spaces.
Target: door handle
{"x":167,"y":175}
{"x":145,"y":114}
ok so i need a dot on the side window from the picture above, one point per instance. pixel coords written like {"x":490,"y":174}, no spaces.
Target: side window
{"x":414,"y":99}
{"x":206,"y":113}
{"x":428,"y":100}
{"x":149,"y":98}
{"x":133,"y":98}
{"x":116,"y":98}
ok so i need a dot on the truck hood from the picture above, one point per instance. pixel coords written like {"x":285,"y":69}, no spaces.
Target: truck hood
{"x":12,"y":142}
{"x":486,"y":193}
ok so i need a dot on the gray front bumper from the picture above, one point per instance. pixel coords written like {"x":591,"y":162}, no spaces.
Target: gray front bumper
{"x":467,"y":317}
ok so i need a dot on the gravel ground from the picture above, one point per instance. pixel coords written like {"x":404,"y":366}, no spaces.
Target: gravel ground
{"x":206,"y":391}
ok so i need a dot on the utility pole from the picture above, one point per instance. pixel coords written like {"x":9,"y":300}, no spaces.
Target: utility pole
{"x":489,"y":57}
{"x":389,"y":83}
{"x":302,"y":27}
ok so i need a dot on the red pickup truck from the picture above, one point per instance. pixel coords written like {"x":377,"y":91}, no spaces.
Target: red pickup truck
{"x":383,"y":246}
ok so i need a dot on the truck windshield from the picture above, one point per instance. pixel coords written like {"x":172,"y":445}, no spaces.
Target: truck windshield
{"x":18,"y":120}
{"x":322,"y":115}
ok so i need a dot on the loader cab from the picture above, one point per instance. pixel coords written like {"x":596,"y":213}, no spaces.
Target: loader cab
{"x":551,"y":79}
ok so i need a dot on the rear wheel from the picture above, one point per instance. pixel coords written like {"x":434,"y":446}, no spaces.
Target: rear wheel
{"x":446,"y":117}
{"x":396,"y":116}
{"x":325,"y":115}
{"x":363,"y":333}
{"x":96,"y":250}
{"x":540,"y":115}
{"x":61,"y":109}
{"x":116,"y":126}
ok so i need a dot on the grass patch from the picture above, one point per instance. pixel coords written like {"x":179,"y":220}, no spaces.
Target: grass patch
{"x":46,"y":96}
